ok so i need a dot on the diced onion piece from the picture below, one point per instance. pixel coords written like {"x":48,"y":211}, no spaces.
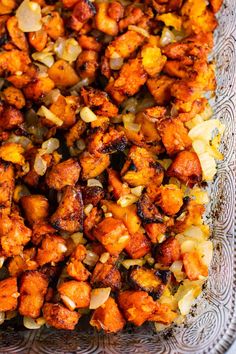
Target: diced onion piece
{"x":199,"y":146}
{"x":80,"y":144}
{"x":45,"y":58}
{"x":176,"y":269}
{"x":30,"y":323}
{"x":67,"y":49}
{"x":62,"y":248}
{"x":40,"y":165}
{"x":22,"y":140}
{"x":68,"y":302}
{"x":29,"y":16}
{"x":167,"y":37}
{"x":2,"y":317}
{"x":104,"y":257}
{"x":91,"y":258}
{"x":2,"y":260}
{"x":79,"y":85}
{"x":87,"y":209}
{"x":45,"y":112}
{"x":200,"y":196}
{"x":134,"y":127}
{"x":78,"y":238}
{"x":205,"y":129}
{"x":128,"y":118}
{"x":116,"y":63}
{"x":139,"y":30}
{"x":93,"y":182}
{"x":50,"y":145}
{"x":127,"y":263}
{"x":194,"y":232}
{"x":205,"y":251}
{"x":51,"y":97}
{"x":186,"y":302}
{"x":87,"y":115}
{"x":127,"y":200}
{"x":137,"y":191}
{"x":108,"y":215}
{"x":208,"y":165}
{"x":99,"y":297}
{"x":130,"y":105}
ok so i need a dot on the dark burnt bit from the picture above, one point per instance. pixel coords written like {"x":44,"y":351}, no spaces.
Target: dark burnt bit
{"x":116,"y":145}
{"x":147,"y":211}
{"x":117,"y":160}
{"x":92,"y":195}
{"x":164,"y":275}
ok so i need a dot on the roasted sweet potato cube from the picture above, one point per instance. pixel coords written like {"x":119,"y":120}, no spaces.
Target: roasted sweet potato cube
{"x":62,"y":74}
{"x":192,"y":215}
{"x":119,"y":189}
{"x":75,"y":132}
{"x":147,"y":210}
{"x":14,"y":61}
{"x":69,"y":214}
{"x":92,"y":165}
{"x":107,"y":143}
{"x":6,"y":186}
{"x":23,"y":262}
{"x":126,"y":214}
{"x":125,"y":44}
{"x":113,"y":234}
{"x":89,"y":43}
{"x":87,"y":64}
{"x":155,"y":231}
{"x":33,"y":288}
{"x":10,"y":117}
{"x":40,"y":229}
{"x":8,"y":294}
{"x":174,"y":136}
{"x":35,"y":207}
{"x":53,"y":25}
{"x":38,"y":88}
{"x":77,"y":270}
{"x":13,"y":96}
{"x":65,"y":108}
{"x":75,"y":294}
{"x":168,"y":251}
{"x":163,"y":314}
{"x":52,"y":249}
{"x":103,"y":21}
{"x":38,"y":39}
{"x":92,"y":195}
{"x":59,"y":316}
{"x":193,"y":266}
{"x":132,"y":16}
{"x":17,"y":36}
{"x":63,"y":174}
{"x":7,"y":6}
{"x":170,"y":199}
{"x":14,"y":235}
{"x":108,"y":317}
{"x":106,"y":275}
{"x":138,"y":245}
{"x":12,"y":152}
{"x":216,"y":5}
{"x":137,"y":306}
{"x":94,"y":217}
{"x":160,"y":87}
{"x":186,"y":167}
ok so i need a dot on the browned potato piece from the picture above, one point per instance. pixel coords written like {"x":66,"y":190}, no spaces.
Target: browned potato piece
{"x":75,"y":294}
{"x":106,"y":275}
{"x":138,"y":246}
{"x":193,"y":266}
{"x":163,"y":314}
{"x":170,"y":199}
{"x":17,"y":36}
{"x":82,"y":12}
{"x":160,"y":87}
{"x":53,"y":25}
{"x":35,"y":207}
{"x":137,"y":306}
{"x":8,"y":294}
{"x":108,"y":317}
{"x":103,"y":21}
{"x":116,"y":10}
{"x":63,"y":174}
{"x":75,"y":132}
{"x":174,"y":136}
{"x":23,"y":262}
{"x":119,"y":189}
{"x":186,"y":167}
{"x":155,"y":231}
{"x":92,"y":195}
{"x":216,"y":5}
{"x":100,"y":103}
{"x":38,"y":39}
{"x":87,"y":64}
{"x":10,"y":117}
{"x":6,"y":186}
{"x":40,"y":229}
{"x":89,"y":43}
{"x":147,"y":210}
{"x":69,"y":214}
{"x":132,"y":16}
{"x":125,"y":44}
{"x":92,"y":165}
{"x":62,"y":74}
{"x":15,"y":97}
{"x":65,"y":108}
{"x":33,"y":288}
{"x":12,"y":152}
{"x":6,"y":6}
{"x":75,"y":268}
{"x":107,"y":143}
{"x":38,"y":88}
{"x":113,"y":234}
{"x":60,"y":317}
{"x":14,"y":61}
{"x":191,"y":216}
{"x":14,"y":235}
{"x":168,"y":251}
{"x":52,"y":249}
{"x":94,"y":217}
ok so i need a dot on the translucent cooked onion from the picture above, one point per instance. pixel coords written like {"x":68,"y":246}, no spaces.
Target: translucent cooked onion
{"x":194,"y":232}
{"x":127,"y":200}
{"x":87,"y":209}
{"x":22,"y":140}
{"x":137,"y":191}
{"x":91,"y":258}
{"x":186,"y":302}
{"x":40,"y":165}
{"x":104,"y":257}
{"x":188,"y":246}
{"x":130,"y":105}
{"x":205,"y":251}
{"x":205,"y":129}
{"x":208,"y":165}
{"x":29,"y":16}
{"x":51,"y":97}
{"x":30,"y":323}
{"x":45,"y":112}
{"x":176,"y":269}
{"x":93,"y":182}
{"x":99,"y":297}
{"x":167,"y":37}
{"x":19,"y":192}
{"x":127,"y":263}
{"x":2,"y":259}
{"x":134,"y":127}
{"x":87,"y":115}
{"x":116,"y":63}
{"x":50,"y":145}
{"x":68,"y":302}
{"x":45,"y":58}
{"x":78,"y":238}
{"x":2,"y":317}
{"x":139,"y":30}
{"x":67,"y":49}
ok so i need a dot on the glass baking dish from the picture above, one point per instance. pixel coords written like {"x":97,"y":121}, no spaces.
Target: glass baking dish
{"x":211,"y":327}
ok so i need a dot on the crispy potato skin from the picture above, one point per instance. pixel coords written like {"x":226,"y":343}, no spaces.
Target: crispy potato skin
{"x":138,"y":246}
{"x":108,"y":317}
{"x":33,"y":288}
{"x":107,"y":143}
{"x":69,"y":214}
{"x":14,"y":235}
{"x":137,"y":306}
{"x":106,"y":275}
{"x":170,"y":199}
{"x":7,"y":183}
{"x":60,"y":317}
{"x":63,"y":174}
{"x":35,"y":207}
{"x":52,"y":249}
{"x":8,"y":294}
{"x":148,"y":280}
{"x":77,"y":291}
{"x":168,"y":251}
{"x":193,"y":266}
{"x":186,"y":167}
{"x":113,"y":235}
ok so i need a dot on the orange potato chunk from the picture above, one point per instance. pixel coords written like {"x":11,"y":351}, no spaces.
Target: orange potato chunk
{"x":63,"y":174}
{"x":6,"y":186}
{"x":78,"y":292}
{"x":8,"y":294}
{"x":35,"y":207}
{"x":193,"y":266}
{"x":59,"y":316}
{"x":52,"y":249}
{"x":170,"y":199}
{"x":168,"y":251}
{"x":62,"y":74}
